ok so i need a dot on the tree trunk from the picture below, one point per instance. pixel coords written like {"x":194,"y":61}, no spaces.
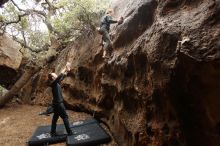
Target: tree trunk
{"x":17,"y":86}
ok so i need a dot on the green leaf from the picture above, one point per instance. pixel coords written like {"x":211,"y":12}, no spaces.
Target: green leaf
{"x":24,"y":23}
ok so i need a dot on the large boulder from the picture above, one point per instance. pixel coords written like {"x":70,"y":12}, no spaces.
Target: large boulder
{"x":10,"y":60}
{"x":10,"y":55}
{"x":161,"y":85}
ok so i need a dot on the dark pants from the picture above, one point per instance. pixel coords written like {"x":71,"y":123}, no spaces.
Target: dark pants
{"x":105,"y":38}
{"x":60,"y":111}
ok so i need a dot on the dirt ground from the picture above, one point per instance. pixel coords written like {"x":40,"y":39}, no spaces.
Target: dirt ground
{"x":18,"y":122}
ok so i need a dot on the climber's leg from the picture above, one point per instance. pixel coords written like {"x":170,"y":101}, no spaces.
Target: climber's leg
{"x":106,"y":39}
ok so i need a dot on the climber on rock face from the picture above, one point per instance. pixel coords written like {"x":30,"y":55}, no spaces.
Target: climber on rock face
{"x":106,"y":21}
{"x":57,"y":103}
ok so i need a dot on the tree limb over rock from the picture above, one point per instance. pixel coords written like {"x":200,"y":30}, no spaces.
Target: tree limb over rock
{"x":29,"y":72}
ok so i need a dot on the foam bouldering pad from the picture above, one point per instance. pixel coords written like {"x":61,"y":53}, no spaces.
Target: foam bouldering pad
{"x":90,"y":133}
{"x":86,"y":132}
{"x":83,"y":122}
{"x":42,"y":136}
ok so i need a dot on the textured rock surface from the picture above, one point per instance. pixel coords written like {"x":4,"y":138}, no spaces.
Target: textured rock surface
{"x":153,"y":90}
{"x":10,"y":60}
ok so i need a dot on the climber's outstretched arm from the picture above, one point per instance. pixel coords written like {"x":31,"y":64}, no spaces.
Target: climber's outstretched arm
{"x":63,"y":73}
{"x":66,"y":69}
{"x":110,"y":20}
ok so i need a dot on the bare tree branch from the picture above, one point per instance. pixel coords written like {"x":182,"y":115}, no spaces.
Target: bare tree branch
{"x":24,"y":44}
{"x":23,"y":36}
{"x":28,"y":11}
{"x":4,"y":24}
{"x":16,"y":21}
{"x":16,"y":5}
{"x":42,"y":14}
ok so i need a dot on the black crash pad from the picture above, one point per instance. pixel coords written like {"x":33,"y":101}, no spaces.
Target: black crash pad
{"x":89,"y":134}
{"x":42,"y":136}
{"x":83,"y":122}
{"x":86,"y":132}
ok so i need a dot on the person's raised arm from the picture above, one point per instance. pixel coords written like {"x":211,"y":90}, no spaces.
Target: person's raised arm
{"x":110,"y":20}
{"x":63,"y":73}
{"x":66,"y":69}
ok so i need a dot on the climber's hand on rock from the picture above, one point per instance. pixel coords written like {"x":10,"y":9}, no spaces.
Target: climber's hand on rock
{"x":68,"y":66}
{"x":111,"y":44}
{"x":121,"y":20}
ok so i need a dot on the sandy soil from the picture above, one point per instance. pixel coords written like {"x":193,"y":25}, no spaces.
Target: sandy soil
{"x":18,"y":122}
